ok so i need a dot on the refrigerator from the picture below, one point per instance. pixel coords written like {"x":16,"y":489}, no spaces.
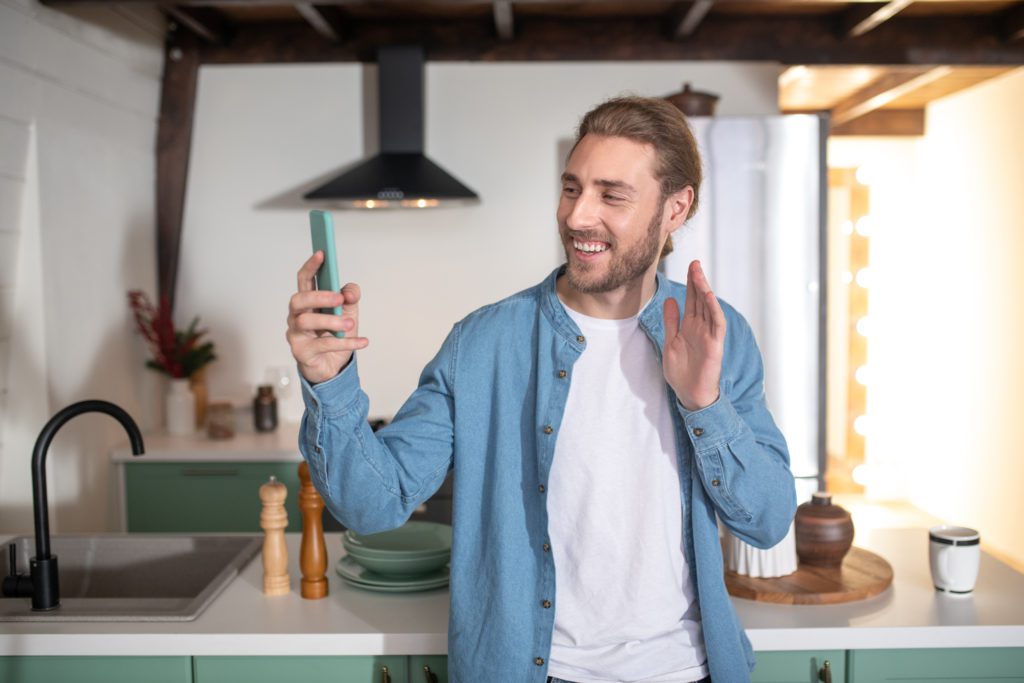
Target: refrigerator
{"x":759,"y":233}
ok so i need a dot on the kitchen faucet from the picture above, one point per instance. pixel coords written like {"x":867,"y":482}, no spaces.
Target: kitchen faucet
{"x":42,"y":583}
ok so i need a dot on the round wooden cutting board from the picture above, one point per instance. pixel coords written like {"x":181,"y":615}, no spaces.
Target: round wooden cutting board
{"x":863,"y":574}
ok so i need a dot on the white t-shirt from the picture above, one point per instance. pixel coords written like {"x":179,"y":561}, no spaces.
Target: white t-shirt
{"x":625,"y":608}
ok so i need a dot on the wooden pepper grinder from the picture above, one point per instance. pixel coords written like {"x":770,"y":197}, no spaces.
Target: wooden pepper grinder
{"x":313,"y":552}
{"x":273,"y":520}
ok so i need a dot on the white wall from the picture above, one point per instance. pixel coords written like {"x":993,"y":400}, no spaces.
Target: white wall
{"x":78,"y":108}
{"x":265,"y":134}
{"x":947,"y":323}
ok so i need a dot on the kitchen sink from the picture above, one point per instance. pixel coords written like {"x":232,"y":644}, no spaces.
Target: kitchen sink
{"x":134,"y":577}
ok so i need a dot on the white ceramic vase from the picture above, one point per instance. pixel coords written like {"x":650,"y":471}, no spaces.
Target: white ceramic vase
{"x":180,"y":408}
{"x":745,"y":559}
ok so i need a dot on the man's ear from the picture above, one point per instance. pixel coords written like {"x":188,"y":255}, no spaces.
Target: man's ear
{"x":678,"y":207}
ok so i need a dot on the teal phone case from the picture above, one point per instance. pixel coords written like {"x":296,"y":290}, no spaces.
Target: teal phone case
{"x":321,"y":229}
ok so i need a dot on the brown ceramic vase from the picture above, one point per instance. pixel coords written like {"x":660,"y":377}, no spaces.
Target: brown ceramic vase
{"x":824,"y":532}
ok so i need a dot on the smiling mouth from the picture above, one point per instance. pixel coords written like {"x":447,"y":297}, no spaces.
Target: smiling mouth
{"x":590,"y":247}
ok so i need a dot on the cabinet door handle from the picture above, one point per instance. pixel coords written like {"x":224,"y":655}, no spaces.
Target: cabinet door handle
{"x":210,"y":472}
{"x":428,"y":676}
{"x":385,"y":677}
{"x":825,"y":674}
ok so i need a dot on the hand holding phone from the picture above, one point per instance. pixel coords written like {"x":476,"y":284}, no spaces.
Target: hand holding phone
{"x":321,"y":229}
{"x":315,"y":318}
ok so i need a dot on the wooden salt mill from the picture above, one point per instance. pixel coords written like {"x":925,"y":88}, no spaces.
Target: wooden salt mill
{"x":313,"y":552}
{"x":273,"y":520}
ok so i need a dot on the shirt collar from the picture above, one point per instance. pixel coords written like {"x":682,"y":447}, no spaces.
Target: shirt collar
{"x":651,"y":318}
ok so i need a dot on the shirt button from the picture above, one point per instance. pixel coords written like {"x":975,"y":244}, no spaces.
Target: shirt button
{"x":715,"y":482}
{"x":581,"y":339}
{"x":539,"y":661}
{"x":541,"y":488}
{"x":697,"y":431}
{"x":546,"y":547}
{"x":546,"y":604}
{"x":561,"y":374}
{"x":548,"y":429}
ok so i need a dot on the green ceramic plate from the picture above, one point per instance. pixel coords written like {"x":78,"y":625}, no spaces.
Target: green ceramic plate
{"x":413,"y":538}
{"x":357,"y":575}
{"x":415,"y":566}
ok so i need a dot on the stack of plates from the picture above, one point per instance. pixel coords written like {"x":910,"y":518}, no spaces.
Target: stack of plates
{"x":413,"y":557}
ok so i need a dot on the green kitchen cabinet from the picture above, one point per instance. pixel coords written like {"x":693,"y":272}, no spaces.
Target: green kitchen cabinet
{"x":195,"y":497}
{"x":422,"y":667}
{"x":807,"y":666}
{"x":1003,"y":664}
{"x":306,"y":669}
{"x":96,"y":669}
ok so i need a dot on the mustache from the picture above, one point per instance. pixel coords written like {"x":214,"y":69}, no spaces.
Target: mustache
{"x":585,"y":236}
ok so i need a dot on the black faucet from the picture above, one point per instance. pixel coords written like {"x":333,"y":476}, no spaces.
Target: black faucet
{"x":42,"y":583}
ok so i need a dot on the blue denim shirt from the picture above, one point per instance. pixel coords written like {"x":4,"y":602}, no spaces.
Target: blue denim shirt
{"x":489,"y":405}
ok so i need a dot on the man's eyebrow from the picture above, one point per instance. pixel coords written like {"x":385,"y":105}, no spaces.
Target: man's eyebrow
{"x":612,"y":184}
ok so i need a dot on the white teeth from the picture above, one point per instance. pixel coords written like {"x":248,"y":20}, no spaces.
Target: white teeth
{"x":591,"y":247}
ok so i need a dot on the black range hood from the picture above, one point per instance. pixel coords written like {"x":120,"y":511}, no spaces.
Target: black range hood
{"x":400,"y":176}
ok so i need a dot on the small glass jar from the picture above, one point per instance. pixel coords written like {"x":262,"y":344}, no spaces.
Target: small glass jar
{"x":220,"y":420}
{"x":264,"y":409}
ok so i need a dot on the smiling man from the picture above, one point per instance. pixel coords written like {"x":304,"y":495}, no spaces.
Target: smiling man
{"x":598,"y":425}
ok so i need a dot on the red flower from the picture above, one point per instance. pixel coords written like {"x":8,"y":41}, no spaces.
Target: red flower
{"x":177,"y":353}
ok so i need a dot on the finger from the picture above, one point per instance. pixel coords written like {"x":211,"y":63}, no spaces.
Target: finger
{"x":700,"y":281}
{"x":318,"y":322}
{"x":352,"y":293}
{"x":718,"y":324}
{"x":671,"y":314}
{"x":690,"y":304}
{"x":303,"y":302}
{"x":331,"y":344}
{"x":305,"y":349}
{"x":308,"y":270}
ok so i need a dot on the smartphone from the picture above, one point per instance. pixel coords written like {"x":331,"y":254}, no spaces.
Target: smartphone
{"x":321,"y":229}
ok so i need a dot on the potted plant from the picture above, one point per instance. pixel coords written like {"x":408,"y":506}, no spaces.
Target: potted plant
{"x":181,"y":354}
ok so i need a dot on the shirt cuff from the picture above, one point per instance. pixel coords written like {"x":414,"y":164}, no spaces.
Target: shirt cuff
{"x":712,"y":425}
{"x":333,"y":396}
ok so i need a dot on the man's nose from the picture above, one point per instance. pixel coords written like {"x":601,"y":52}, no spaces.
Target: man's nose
{"x":583,"y":213}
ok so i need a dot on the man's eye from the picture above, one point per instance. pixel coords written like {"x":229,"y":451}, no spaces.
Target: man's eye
{"x":569,"y":190}
{"x":611,"y":197}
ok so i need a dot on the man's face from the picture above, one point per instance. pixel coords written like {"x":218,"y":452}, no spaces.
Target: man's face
{"x":610,"y":216}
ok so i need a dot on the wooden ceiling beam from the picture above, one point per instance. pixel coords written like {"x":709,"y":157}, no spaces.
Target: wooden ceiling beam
{"x":174,"y":136}
{"x":788,"y":40}
{"x":325,"y":19}
{"x":902,"y":122}
{"x":864,"y":17}
{"x":690,"y":17}
{"x":503,"y":20}
{"x":891,"y":86}
{"x":205,"y":22}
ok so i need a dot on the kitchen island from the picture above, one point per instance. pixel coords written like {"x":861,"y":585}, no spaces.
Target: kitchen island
{"x":242,"y":622}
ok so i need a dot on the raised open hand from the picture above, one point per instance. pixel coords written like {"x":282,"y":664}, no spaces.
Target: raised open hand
{"x":310,"y":334}
{"x":692,"y":359}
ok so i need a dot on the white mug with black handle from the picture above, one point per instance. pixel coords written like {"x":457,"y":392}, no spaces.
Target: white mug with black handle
{"x":954,"y":553}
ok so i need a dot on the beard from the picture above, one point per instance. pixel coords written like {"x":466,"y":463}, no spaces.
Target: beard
{"x":622,"y":268}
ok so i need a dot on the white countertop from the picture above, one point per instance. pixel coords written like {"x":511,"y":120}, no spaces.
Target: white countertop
{"x":351,"y":621}
{"x":280,"y":444}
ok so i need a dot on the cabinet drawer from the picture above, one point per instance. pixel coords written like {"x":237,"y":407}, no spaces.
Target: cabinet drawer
{"x":96,"y":669}
{"x":967,"y":665}
{"x":305,"y":669}
{"x":206,"y":496}
{"x":798,"y":667}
